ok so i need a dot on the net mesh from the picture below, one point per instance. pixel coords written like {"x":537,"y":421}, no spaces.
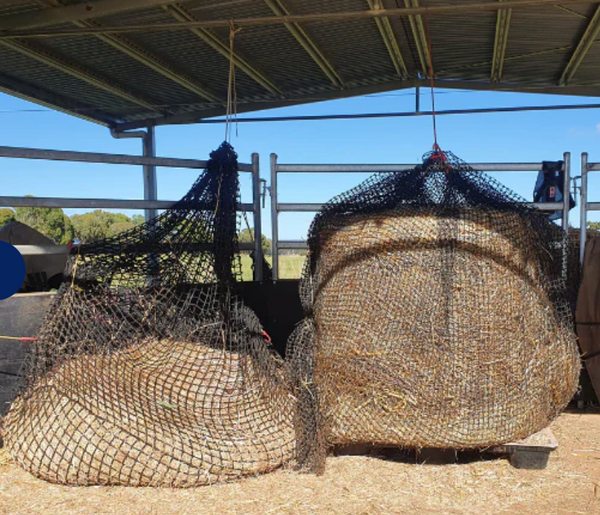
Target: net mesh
{"x":436,"y":315}
{"x":149,"y":370}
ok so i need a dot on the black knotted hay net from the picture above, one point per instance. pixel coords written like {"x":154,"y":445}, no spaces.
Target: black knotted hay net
{"x":436,"y":315}
{"x":149,"y":370}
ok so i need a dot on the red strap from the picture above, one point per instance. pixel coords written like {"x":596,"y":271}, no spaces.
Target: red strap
{"x":441,"y":156}
{"x":438,"y":153}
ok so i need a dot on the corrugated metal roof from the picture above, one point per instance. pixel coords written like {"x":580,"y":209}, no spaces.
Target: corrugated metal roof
{"x":34,"y":73}
{"x":176,"y":76}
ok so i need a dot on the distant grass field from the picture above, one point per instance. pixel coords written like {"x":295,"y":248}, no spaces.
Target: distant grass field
{"x":290,"y":267}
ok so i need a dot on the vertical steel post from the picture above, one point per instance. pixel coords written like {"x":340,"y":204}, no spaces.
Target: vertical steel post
{"x":567,"y":191}
{"x":565,"y":212}
{"x":150,"y":188}
{"x":150,"y":193}
{"x":274,"y":215}
{"x":417,"y":99}
{"x":583,"y":205}
{"x":258,"y":255}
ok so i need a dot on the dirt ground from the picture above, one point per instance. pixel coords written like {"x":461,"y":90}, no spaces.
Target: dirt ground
{"x":361,"y":485}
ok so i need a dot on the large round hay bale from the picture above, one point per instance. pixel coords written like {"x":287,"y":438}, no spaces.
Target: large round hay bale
{"x":159,"y":413}
{"x":435,"y":329}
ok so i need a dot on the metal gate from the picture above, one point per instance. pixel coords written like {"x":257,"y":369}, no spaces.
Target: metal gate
{"x":281,"y":207}
{"x":150,"y":206}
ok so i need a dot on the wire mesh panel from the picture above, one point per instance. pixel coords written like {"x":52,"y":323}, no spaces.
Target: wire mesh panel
{"x":149,"y":370}
{"x":437,"y":315}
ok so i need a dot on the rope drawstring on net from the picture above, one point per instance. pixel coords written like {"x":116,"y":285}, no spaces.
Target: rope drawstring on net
{"x":231,"y":112}
{"x":438,"y":153}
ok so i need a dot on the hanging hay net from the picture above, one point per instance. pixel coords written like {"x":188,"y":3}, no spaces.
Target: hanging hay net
{"x":436,"y":315}
{"x":149,"y":370}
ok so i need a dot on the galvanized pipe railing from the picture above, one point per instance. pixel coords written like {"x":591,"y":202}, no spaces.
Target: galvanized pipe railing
{"x":115,"y":159}
{"x":303,"y":207}
{"x":148,"y":162}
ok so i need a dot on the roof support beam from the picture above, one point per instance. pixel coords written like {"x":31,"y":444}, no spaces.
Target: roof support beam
{"x":262,"y":21}
{"x":389,"y":39}
{"x":420,"y":36}
{"x":180,"y":14}
{"x":186,"y":118}
{"x":502,"y":27}
{"x":69,"y":13}
{"x":308,"y":44}
{"x":49,"y":59}
{"x":585,"y":43}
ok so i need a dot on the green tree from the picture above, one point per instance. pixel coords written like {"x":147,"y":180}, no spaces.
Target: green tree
{"x":247,"y":236}
{"x":88,"y":228}
{"x":51,"y":222}
{"x":7,"y":215}
{"x":69,"y":230}
{"x":98,"y":225}
{"x":594,"y":226}
{"x":119,"y":227}
{"x":138,"y":219}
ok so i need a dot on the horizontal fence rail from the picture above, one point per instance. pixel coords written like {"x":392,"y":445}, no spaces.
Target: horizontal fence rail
{"x":306,"y":207}
{"x":54,"y":250}
{"x":114,"y":159}
{"x":97,"y":203}
{"x":70,"y":203}
{"x":390,"y":168}
{"x":311,"y":208}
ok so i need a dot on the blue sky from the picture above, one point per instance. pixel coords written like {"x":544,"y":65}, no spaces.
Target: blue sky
{"x":530,"y":136}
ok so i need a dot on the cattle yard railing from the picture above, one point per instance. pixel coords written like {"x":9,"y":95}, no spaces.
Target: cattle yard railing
{"x":299,"y":207}
{"x":149,"y":203}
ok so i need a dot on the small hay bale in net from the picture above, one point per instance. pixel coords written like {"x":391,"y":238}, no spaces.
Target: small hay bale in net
{"x":149,"y":370}
{"x":437,"y":315}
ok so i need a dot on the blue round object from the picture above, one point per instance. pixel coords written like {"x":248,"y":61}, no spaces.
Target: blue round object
{"x":12,"y":270}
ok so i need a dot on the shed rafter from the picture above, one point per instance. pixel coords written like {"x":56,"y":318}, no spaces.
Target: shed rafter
{"x":144,"y":57}
{"x":289,"y":19}
{"x":182,"y":15}
{"x":69,"y":13}
{"x":583,"y":47}
{"x":152,"y":61}
{"x":48,"y":58}
{"x":389,"y":39}
{"x":307,"y":43}
{"x":420,"y":36}
{"x":500,"y":42}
